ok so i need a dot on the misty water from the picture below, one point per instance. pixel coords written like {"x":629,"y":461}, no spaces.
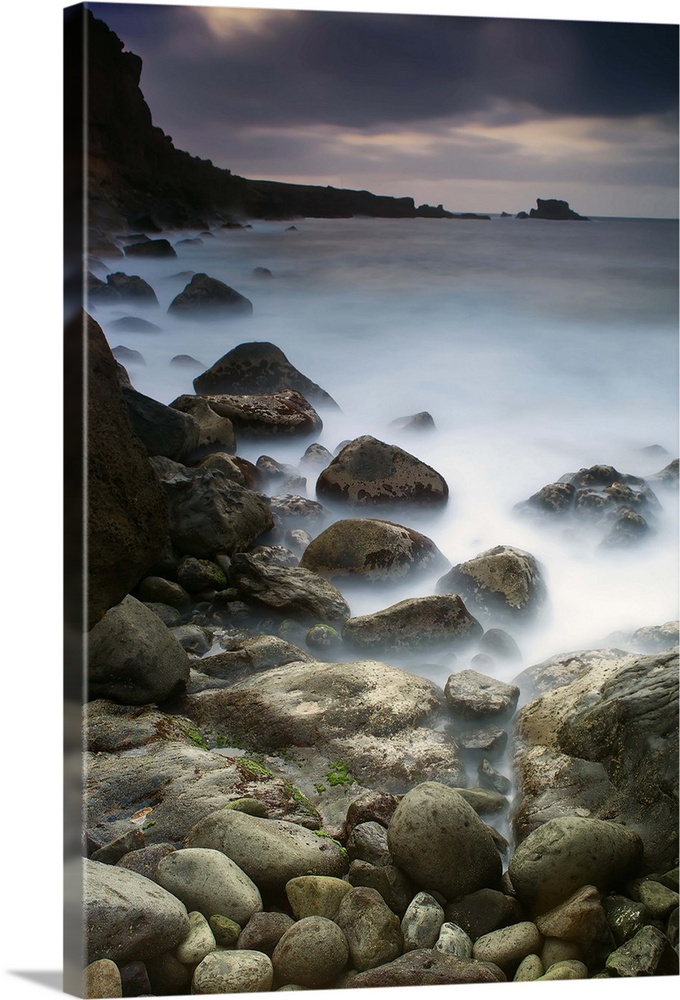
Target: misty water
{"x":538,"y":347}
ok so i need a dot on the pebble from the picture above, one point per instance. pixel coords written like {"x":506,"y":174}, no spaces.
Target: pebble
{"x":529,"y":969}
{"x":640,"y":956}
{"x":209,"y":881}
{"x":316,"y":895}
{"x":372,"y":930}
{"x":507,"y":946}
{"x":453,"y":940}
{"x":422,"y":922}
{"x":570,"y":969}
{"x":264,"y":931}
{"x":102,"y":979}
{"x":198,"y":943}
{"x":226,"y":931}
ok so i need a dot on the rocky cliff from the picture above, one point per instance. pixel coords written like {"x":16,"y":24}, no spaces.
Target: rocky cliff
{"x":137,"y":179}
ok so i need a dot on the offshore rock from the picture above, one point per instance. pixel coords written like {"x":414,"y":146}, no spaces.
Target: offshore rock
{"x":369,"y":472}
{"x":555,"y":210}
{"x":256,"y":368}
{"x":371,"y":549}
{"x":207,"y":297}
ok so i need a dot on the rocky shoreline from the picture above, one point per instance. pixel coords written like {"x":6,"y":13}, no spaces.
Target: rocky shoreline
{"x":275,"y":798}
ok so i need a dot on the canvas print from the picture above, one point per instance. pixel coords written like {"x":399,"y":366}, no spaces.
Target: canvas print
{"x":371,"y":362}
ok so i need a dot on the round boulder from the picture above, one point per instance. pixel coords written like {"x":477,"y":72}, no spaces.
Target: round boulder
{"x":440,"y":620}
{"x":569,"y":852}
{"x":233,"y":972}
{"x":368,"y":472}
{"x":311,"y":953}
{"x":437,"y":838}
{"x":371,"y":549}
{"x":208,"y":881}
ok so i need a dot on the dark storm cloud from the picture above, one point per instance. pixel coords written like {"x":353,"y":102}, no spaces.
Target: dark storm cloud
{"x":360,"y":70}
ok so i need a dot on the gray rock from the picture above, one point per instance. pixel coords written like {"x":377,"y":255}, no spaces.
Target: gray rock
{"x":616,"y":729}
{"x":368,"y":842}
{"x":564,"y":854}
{"x":481,"y":912}
{"x":296,"y":591}
{"x":371,"y":549}
{"x":624,"y":917}
{"x":258,"y":368}
{"x":162,"y":430}
{"x":150,"y":248}
{"x":500,"y":584}
{"x":500,"y":645}
{"x":316,"y":896}
{"x":372,"y":930}
{"x":207,"y":297}
{"x":529,"y":970}
{"x":270,"y":852}
{"x":395,"y":888}
{"x":224,"y":463}
{"x":368,"y":472}
{"x":659,"y":899}
{"x":146,"y":860}
{"x":668,"y":476}
{"x":416,"y":623}
{"x":422,"y":922}
{"x":233,"y":972}
{"x":214,"y":430}
{"x":168,"y":975}
{"x":426,"y":821}
{"x":192,"y":638}
{"x":127,"y":917}
{"x":490,"y":739}
{"x":208,"y":881}
{"x":427,"y":967}
{"x":311,"y":953}
{"x":415,"y":422}
{"x":492,"y":778}
{"x":102,"y":979}
{"x":274,"y":555}
{"x":157,"y":590}
{"x":264,"y":931}
{"x":196,"y":575}
{"x":209,"y":513}
{"x":132,"y":658}
{"x":568,"y":969}
{"x":507,"y":946}
{"x":132,"y":288}
{"x":198,"y":943}
{"x":640,"y":956}
{"x":112,"y":728}
{"x":454,"y":941}
{"x":472,"y":696}
{"x":580,"y":918}
{"x":261,"y":652}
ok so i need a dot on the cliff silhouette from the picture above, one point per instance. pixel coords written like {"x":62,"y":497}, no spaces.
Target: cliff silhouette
{"x":138,"y":179}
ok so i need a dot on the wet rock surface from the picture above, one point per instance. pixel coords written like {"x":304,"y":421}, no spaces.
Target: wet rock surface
{"x":501,"y":584}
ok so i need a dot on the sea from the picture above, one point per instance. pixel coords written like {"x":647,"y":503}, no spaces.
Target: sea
{"x":538,"y":347}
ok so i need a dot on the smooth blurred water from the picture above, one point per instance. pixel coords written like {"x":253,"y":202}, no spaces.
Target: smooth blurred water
{"x":538,"y":348}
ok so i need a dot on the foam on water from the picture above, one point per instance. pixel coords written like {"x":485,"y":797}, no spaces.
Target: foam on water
{"x":539,"y":348}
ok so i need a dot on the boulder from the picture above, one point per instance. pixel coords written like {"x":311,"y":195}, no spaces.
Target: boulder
{"x":426,"y":822}
{"x":502,"y":583}
{"x":371,"y":549}
{"x":564,"y":854}
{"x":199,"y":942}
{"x":555,"y":211}
{"x":316,"y":896}
{"x":127,"y":517}
{"x":508,"y":946}
{"x":395,"y":888}
{"x":606,"y":743}
{"x":162,"y":430}
{"x":372,"y":930}
{"x":188,"y":782}
{"x":214,"y":431}
{"x":453,"y":940}
{"x":132,"y":659}
{"x":208,"y":512}
{"x":132,"y":288}
{"x":368,"y":842}
{"x":207,"y":297}
{"x":255,"y":369}
{"x":422,"y":922}
{"x":311,"y":953}
{"x":250,"y":656}
{"x":233,"y":972}
{"x":151,"y":248}
{"x":263,"y":931}
{"x":415,"y":422}
{"x":210,"y":882}
{"x":269,"y":851}
{"x":472,"y":696}
{"x":126,"y":917}
{"x":197,"y":575}
{"x":478,"y":913}
{"x":292,"y":591}
{"x":124,"y":354}
{"x":102,"y":979}
{"x":368,"y":472}
{"x":416,"y":623}
{"x":285,"y":412}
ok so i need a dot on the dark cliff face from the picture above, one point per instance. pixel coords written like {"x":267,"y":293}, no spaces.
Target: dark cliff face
{"x":135,"y":173}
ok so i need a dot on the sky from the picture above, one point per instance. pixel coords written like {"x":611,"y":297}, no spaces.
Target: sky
{"x":477,"y":113}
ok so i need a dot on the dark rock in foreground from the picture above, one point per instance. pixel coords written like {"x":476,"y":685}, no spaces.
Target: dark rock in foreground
{"x":151,"y":248}
{"x":260,"y":367}
{"x":163,"y":430}
{"x":416,"y":623}
{"x":291,"y":591}
{"x":206,"y":296}
{"x":427,"y":967}
{"x":369,"y":472}
{"x":128,"y":514}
